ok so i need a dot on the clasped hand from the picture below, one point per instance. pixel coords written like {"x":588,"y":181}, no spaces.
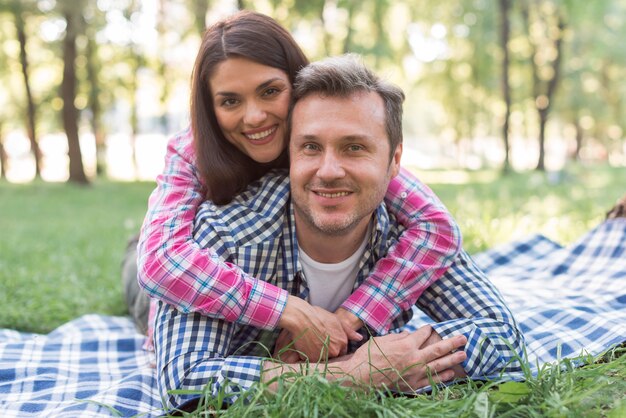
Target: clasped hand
{"x":312,"y":333}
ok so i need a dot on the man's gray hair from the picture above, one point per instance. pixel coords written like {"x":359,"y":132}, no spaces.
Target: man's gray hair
{"x":345,"y":75}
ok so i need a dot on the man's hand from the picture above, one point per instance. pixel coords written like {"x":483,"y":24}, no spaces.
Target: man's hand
{"x":396,"y":361}
{"x":434,"y":338}
{"x":315,"y":332}
{"x":404,"y":362}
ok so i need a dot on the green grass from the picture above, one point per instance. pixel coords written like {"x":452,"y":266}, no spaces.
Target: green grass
{"x":61,"y":247}
{"x":561,"y":390}
{"x":493,"y":210}
{"x":60,"y":250}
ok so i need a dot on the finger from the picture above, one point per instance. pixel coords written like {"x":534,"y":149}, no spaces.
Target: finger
{"x":354,"y":335}
{"x":435,"y":378}
{"x":337,"y":345}
{"x":393,"y":336}
{"x":344,"y":351}
{"x":443,"y":347}
{"x":283,"y":340}
{"x":421,"y":335}
{"x":447,"y":362}
{"x":335,"y":349}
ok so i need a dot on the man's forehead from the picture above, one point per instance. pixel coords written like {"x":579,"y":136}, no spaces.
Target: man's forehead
{"x":367,"y":104}
{"x":359,"y":117}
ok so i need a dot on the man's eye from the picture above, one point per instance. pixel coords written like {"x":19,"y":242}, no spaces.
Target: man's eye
{"x":271,"y":91}
{"x":310,"y":147}
{"x":355,"y":147}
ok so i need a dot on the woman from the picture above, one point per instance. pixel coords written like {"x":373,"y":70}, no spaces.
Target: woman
{"x":241,"y":87}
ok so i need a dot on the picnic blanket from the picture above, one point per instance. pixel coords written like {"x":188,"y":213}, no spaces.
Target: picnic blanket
{"x":568,"y":301}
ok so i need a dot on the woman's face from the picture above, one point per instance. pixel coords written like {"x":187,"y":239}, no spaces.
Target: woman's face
{"x":251,"y":102}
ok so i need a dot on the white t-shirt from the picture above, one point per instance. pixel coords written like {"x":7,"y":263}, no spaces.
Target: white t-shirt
{"x":331,"y":284}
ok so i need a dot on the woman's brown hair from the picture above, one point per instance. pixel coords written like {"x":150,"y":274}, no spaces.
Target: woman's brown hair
{"x":226,"y":171}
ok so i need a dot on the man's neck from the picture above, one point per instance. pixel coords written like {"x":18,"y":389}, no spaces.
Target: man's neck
{"x":327,"y":248}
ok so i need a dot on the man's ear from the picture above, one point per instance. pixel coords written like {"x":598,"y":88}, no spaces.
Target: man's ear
{"x":394,"y":165}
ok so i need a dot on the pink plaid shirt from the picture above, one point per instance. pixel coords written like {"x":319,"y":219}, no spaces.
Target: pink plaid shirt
{"x":174,"y":269}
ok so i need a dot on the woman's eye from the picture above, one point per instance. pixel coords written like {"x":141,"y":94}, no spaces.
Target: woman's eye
{"x":228,"y":102}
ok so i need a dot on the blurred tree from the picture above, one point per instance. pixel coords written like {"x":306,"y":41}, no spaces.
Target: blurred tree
{"x":313,"y":10}
{"x":505,"y":28}
{"x":382,"y":47}
{"x":457,"y":45}
{"x":471,"y":71}
{"x":578,"y":102}
{"x":350,"y":8}
{"x":4,"y":159}
{"x":200,"y":8}
{"x":162,"y":66}
{"x":20,"y":9}
{"x":136,"y":60}
{"x":611,"y":74}
{"x":545,"y":23}
{"x":93,"y":22}
{"x":72,"y":14}
{"x":3,"y":100}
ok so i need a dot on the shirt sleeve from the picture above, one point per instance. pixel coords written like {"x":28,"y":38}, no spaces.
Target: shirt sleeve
{"x":423,"y":253}
{"x":173,"y":268}
{"x":463,"y":301}
{"x":192,"y":358}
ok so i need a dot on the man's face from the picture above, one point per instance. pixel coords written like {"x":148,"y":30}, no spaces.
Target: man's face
{"x":340,"y":167}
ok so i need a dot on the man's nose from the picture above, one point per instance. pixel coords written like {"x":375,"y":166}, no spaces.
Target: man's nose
{"x":330,"y":167}
{"x":255,"y":114}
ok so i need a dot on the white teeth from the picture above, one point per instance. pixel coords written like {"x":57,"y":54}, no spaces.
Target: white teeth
{"x":331,"y":195}
{"x":261,"y":135}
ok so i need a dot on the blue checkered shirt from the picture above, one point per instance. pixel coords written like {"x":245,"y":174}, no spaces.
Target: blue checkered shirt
{"x":257,"y":232}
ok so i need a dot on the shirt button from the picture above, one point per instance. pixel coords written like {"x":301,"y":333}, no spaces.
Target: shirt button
{"x":403,"y":195}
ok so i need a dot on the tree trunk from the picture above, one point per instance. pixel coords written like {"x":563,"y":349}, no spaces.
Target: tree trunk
{"x":505,"y":6}
{"x":4,"y":158}
{"x":30,"y":104}
{"x":326,"y":41}
{"x":552,"y":85}
{"x":134,"y":114}
{"x":543,"y":91}
{"x":68,"y":93}
{"x":579,"y":139}
{"x":347,"y":44}
{"x":95,"y":107}
{"x":200,"y":8}
{"x":543,"y":119}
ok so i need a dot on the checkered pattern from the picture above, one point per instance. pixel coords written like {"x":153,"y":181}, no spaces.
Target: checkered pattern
{"x":76,"y":370}
{"x":173,"y":268}
{"x":568,"y":301}
{"x":573,"y":298}
{"x":257,"y":232}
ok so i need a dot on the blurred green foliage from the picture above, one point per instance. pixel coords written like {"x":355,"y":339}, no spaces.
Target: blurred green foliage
{"x":135,"y":58}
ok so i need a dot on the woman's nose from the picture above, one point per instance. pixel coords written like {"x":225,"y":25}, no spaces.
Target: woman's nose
{"x":255,"y":115}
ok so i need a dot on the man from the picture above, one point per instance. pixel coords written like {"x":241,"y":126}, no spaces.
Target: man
{"x":317,"y":236}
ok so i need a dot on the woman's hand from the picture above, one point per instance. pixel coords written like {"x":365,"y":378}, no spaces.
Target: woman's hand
{"x":316,"y":333}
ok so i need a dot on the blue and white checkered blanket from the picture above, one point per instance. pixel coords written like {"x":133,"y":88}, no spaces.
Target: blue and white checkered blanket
{"x":568,"y":301}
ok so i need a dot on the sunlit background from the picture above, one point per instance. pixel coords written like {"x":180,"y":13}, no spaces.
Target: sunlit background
{"x":134,"y":60}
